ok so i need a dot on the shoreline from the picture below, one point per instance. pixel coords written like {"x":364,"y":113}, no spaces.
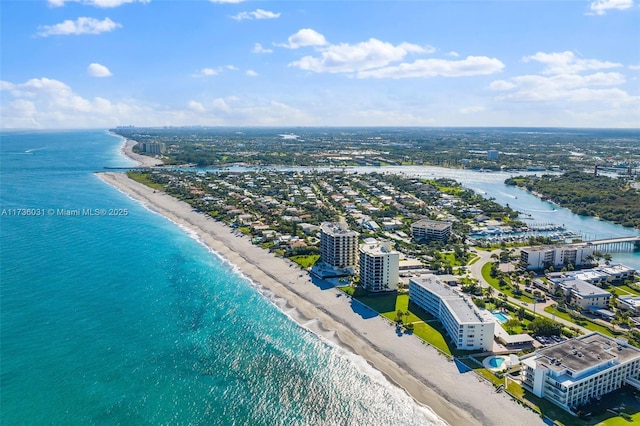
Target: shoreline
{"x":420,"y":370}
{"x":126,"y":150}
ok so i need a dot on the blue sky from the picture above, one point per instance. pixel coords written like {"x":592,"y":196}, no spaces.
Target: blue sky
{"x":103,"y":63}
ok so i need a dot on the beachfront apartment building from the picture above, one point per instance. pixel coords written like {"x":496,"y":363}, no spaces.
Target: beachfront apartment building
{"x":574,"y":372}
{"x":430,"y":230}
{"x":338,"y":245}
{"x":537,"y":258}
{"x":492,"y":154}
{"x":379,"y":266}
{"x":467,"y":326}
{"x":156,"y":148}
{"x":584,"y":294}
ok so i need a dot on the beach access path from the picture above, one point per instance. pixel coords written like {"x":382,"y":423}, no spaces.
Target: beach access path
{"x":428,"y":376}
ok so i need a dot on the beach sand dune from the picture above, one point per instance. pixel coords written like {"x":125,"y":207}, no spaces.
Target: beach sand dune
{"x":429,"y":377}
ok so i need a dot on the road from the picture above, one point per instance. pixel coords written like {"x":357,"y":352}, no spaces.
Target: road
{"x":476,"y":272}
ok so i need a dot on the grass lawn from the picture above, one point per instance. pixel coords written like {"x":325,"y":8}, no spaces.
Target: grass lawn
{"x":389,"y":304}
{"x":478,"y":369}
{"x":434,"y":336}
{"x":450,"y":258}
{"x":347,"y":289}
{"x":306,"y":261}
{"x":584,"y":323}
{"x":624,"y":290}
{"x":474,"y":259}
{"x":143,"y":178}
{"x":624,"y":397}
{"x":424,"y":325}
{"x":486,"y":274}
{"x":547,"y":408}
{"x":494,"y":282}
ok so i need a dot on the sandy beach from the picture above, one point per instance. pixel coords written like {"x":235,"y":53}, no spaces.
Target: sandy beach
{"x":429,"y":377}
{"x":142,"y":160}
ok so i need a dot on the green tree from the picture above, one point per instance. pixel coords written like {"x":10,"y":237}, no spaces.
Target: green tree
{"x":541,"y":326}
{"x":511,"y":324}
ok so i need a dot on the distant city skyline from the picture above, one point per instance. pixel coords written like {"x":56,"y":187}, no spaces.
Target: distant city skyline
{"x":107,"y":63}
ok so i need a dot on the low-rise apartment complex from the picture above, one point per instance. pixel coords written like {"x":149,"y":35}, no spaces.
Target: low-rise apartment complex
{"x":584,"y":294}
{"x":537,"y":258}
{"x":430,"y":230}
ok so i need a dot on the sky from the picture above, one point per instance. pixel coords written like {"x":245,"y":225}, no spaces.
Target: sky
{"x":104,"y":63}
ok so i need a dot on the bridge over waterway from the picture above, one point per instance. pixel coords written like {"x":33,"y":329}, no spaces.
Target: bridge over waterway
{"x":617,"y":245}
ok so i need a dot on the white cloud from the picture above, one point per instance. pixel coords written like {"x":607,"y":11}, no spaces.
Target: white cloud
{"x":339,"y":58}
{"x":98,"y":70}
{"x":374,"y":58}
{"x":454,"y":54}
{"x":567,"y":63}
{"x":221,"y":105}
{"x":209,"y":72}
{"x":82,"y":25}
{"x":305,"y":37}
{"x":40,"y":101}
{"x":49,"y":104}
{"x":97,"y":3}
{"x":472,"y":65}
{"x":600,"y":7}
{"x":257,"y":48}
{"x":426,"y":68}
{"x":256,"y":14}
{"x":251,"y":73}
{"x":566,"y":87}
{"x":502,"y":85}
{"x":196,"y":106}
{"x":634,"y":67}
{"x":206,"y":72}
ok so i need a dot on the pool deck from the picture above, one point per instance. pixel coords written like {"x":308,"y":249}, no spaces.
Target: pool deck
{"x":503,"y":365}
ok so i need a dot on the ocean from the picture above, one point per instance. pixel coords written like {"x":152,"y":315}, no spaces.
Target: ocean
{"x":128,"y":319}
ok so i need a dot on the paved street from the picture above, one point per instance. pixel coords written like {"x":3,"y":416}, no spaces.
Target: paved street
{"x":476,"y":272}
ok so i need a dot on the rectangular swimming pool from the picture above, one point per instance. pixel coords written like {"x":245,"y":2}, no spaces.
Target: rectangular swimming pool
{"x":502,"y":317}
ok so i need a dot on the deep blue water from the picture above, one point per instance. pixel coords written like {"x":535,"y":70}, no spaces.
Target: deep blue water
{"x":129,"y":320}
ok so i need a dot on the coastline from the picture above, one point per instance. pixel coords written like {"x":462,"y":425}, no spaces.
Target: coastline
{"x":419,"y":369}
{"x":126,"y":149}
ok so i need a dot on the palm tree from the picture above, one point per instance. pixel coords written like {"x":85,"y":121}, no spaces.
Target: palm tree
{"x":607,"y":258}
{"x":489,"y":291}
{"x":597,"y":255}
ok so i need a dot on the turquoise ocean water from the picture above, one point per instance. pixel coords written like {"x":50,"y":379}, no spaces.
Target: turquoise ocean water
{"x":129,"y":320}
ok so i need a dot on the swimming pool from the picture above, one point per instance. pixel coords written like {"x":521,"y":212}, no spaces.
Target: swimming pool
{"x":502,"y":317}
{"x":496,"y":362}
